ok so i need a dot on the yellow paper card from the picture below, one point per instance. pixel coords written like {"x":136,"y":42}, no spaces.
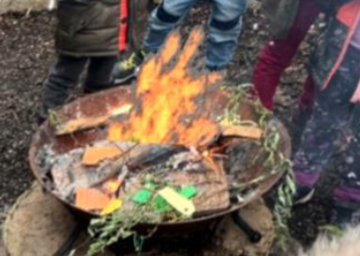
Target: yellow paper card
{"x":114,"y":205}
{"x":180,"y":203}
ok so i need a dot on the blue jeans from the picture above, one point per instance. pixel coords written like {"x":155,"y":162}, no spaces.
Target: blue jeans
{"x":224,"y":27}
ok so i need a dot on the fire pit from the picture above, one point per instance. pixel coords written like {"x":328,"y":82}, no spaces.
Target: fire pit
{"x":206,"y":151}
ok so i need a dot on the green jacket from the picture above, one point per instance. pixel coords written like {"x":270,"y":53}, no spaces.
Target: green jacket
{"x":87,"y":28}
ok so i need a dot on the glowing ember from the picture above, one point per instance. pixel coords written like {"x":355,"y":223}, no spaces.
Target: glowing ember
{"x":170,"y":101}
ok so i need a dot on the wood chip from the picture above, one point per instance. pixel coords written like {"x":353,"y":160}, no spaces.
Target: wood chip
{"x":90,"y":199}
{"x":242,"y":131}
{"x":94,"y":155}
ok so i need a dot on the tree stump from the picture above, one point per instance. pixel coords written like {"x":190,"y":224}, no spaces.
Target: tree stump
{"x":234,"y":240}
{"x":38,"y":224}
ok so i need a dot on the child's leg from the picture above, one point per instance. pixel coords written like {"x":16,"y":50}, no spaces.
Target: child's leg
{"x":224,"y":30}
{"x":306,"y":99}
{"x":276,"y":56}
{"x":162,"y":20}
{"x":302,"y":113}
{"x":324,"y":131}
{"x":63,"y":76}
{"x":347,"y":193}
{"x":99,"y":73}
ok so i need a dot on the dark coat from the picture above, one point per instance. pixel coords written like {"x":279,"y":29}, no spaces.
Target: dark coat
{"x":282,"y":13}
{"x":87,"y":28}
{"x":334,"y":44}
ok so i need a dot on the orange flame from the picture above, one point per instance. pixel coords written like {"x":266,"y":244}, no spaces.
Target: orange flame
{"x":170,"y":100}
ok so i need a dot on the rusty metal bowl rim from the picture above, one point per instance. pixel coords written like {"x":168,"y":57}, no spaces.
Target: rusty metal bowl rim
{"x":273,"y":177}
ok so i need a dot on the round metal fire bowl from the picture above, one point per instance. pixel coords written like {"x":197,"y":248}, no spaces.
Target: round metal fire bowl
{"x":94,"y":104}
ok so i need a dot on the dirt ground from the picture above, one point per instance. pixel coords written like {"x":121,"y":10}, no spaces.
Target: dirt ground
{"x":26,"y":53}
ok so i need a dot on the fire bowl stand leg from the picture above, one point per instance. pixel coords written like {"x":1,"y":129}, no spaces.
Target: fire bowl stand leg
{"x":253,"y":235}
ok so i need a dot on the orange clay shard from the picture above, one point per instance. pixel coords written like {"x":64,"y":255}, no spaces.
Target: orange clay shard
{"x":90,"y":199}
{"x":170,"y":99}
{"x":94,"y":155}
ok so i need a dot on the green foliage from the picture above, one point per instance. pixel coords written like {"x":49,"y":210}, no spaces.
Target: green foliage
{"x":282,"y":211}
{"x":231,"y":113}
{"x":110,"y":229}
{"x":107,"y":230}
{"x":332,"y":230}
{"x":278,"y":162}
{"x":275,"y":161}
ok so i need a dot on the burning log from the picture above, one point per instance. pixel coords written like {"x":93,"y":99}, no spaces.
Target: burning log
{"x":69,"y":173}
{"x":115,"y":106}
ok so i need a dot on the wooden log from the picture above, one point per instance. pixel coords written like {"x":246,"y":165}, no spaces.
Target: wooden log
{"x":68,"y":173}
{"x":242,"y":131}
{"x":91,"y":111}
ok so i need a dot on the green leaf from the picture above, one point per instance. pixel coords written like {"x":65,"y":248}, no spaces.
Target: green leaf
{"x":188,"y":192}
{"x":142,"y":197}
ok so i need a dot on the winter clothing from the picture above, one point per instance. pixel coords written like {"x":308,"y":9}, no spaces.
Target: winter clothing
{"x":277,"y":55}
{"x":86,"y":37}
{"x":65,"y":75}
{"x":336,"y":72}
{"x":331,"y":115}
{"x":224,"y":27}
{"x":334,"y":46}
{"x":87,"y":28}
{"x":355,"y":41}
{"x":282,"y":13}
{"x":133,"y":22}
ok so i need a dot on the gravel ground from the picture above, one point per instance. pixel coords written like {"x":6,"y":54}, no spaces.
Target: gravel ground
{"x":26,"y":52}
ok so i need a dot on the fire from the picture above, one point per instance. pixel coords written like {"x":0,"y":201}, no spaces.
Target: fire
{"x":170,"y":100}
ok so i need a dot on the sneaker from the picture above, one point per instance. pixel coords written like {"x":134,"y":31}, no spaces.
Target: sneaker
{"x":343,"y":216}
{"x":128,"y":69}
{"x":303,"y":195}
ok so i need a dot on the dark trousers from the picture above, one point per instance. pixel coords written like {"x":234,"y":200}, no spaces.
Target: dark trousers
{"x":333,"y":117}
{"x":65,"y":75}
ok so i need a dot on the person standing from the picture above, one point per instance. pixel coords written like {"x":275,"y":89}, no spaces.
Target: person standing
{"x":225,"y":25}
{"x":335,"y":68}
{"x":290,"y":22}
{"x":86,"y":40}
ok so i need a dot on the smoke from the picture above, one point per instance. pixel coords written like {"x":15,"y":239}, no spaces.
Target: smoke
{"x":346,"y":245}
